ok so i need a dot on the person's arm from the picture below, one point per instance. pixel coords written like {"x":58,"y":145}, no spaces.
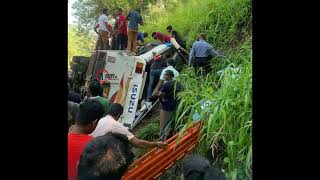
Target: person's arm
{"x":128,"y":16}
{"x":121,"y":19}
{"x":95,"y":28}
{"x":191,"y":55}
{"x":146,"y":144}
{"x":160,"y":94}
{"x":160,"y":82}
{"x":173,"y":34}
{"x":107,"y":25}
{"x":213,"y":53}
{"x":157,"y":88}
{"x":141,"y":21}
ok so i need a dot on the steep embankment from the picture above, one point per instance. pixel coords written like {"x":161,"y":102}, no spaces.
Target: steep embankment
{"x":226,"y":135}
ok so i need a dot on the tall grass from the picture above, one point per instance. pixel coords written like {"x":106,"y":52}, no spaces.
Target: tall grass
{"x":226,"y":137}
{"x":227,"y":131}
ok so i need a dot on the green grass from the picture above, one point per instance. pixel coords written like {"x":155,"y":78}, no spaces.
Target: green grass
{"x":227,"y":131}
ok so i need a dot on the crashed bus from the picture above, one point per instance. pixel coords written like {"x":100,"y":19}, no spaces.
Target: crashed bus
{"x":126,"y":76}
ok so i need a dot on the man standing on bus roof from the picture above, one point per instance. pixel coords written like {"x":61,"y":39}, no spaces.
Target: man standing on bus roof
{"x":135,"y":19}
{"x":103,"y":34}
{"x":121,"y":28}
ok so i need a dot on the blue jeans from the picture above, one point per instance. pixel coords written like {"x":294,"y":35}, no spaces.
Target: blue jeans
{"x":154,"y":76}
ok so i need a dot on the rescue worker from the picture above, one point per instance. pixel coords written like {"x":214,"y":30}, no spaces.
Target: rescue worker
{"x":177,"y":36}
{"x":165,"y":38}
{"x":140,"y":38}
{"x":201,"y":52}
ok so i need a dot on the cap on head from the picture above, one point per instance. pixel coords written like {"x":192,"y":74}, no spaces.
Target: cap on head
{"x":169,"y":73}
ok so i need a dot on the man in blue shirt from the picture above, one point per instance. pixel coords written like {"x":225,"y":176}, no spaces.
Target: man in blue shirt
{"x":201,"y":52}
{"x":135,"y":19}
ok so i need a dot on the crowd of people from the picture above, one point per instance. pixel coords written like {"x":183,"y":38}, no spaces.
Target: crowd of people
{"x":95,"y":119}
{"x":99,"y":147}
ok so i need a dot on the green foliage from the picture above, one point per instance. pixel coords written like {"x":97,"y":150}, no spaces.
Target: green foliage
{"x":228,"y":117}
{"x":149,"y":132}
{"x":79,"y":44}
{"x":227,"y":131}
{"x":88,"y":11}
{"x":224,"y":21}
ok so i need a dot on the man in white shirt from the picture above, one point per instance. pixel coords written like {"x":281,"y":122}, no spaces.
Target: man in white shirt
{"x":104,"y":34}
{"x":110,"y":124}
{"x":170,"y":63}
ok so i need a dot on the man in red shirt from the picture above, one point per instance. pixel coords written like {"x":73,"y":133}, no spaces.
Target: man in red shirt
{"x":161,"y":37}
{"x":90,"y":111}
{"x":165,"y":38}
{"x":121,"y":28}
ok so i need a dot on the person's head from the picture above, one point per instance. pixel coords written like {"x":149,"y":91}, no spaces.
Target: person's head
{"x":105,"y":157}
{"x":138,"y":10}
{"x":169,"y":29}
{"x":95,"y":88}
{"x":154,"y":35}
{"x":168,"y":75}
{"x":196,"y":167}
{"x":115,"y":15}
{"x":105,"y":11}
{"x":89,"y":113}
{"x":120,"y":11}
{"x":170,"y":62}
{"x":115,"y":110}
{"x":202,"y":36}
{"x":145,"y":34}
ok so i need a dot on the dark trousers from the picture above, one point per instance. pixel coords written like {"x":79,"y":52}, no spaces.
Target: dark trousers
{"x":122,"y":41}
{"x":202,"y":62}
{"x":114,"y":43}
{"x":154,"y":78}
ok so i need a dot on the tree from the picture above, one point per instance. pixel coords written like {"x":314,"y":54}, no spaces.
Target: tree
{"x":88,"y":11}
{"x":79,"y":44}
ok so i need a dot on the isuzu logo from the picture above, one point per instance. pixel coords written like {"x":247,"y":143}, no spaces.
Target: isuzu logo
{"x":133,"y":98}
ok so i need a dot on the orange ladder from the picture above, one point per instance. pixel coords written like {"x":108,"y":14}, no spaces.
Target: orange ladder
{"x":157,"y":161}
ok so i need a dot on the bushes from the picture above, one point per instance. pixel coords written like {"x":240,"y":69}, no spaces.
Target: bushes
{"x":227,"y":132}
{"x":227,"y":117}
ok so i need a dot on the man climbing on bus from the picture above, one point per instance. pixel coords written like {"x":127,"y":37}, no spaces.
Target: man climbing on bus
{"x":177,"y":36}
{"x":165,"y":38}
{"x":170,"y":66}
